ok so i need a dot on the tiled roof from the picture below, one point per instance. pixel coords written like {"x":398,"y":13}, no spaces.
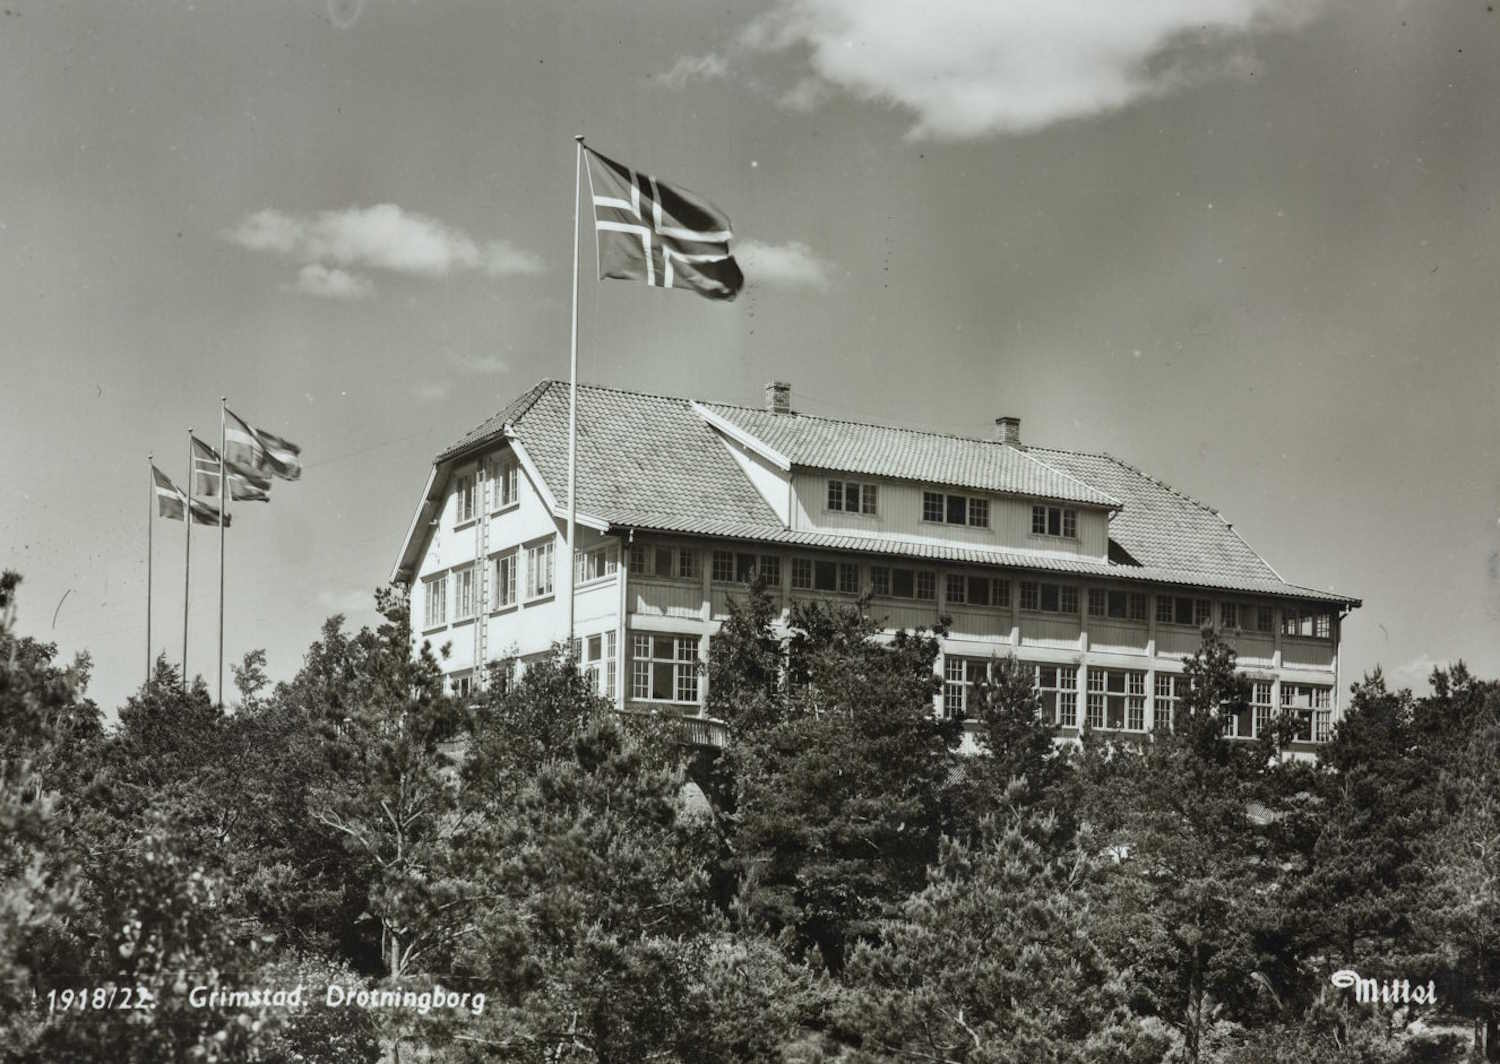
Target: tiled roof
{"x":654,"y":462}
{"x":910,"y":454}
{"x":1036,"y":561}
{"x":1160,"y":526}
{"x":644,"y":456}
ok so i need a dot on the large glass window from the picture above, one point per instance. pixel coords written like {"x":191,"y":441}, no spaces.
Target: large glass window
{"x":599,"y":662}
{"x":1057,"y":690}
{"x":960,"y":676}
{"x":1164,"y":700}
{"x":1310,"y":705}
{"x":1117,"y":699}
{"x":664,"y":668}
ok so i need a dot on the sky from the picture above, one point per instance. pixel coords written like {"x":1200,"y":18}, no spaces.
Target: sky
{"x":1250,"y":246}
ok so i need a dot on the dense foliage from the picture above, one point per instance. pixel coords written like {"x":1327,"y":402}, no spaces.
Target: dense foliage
{"x":853,"y":878}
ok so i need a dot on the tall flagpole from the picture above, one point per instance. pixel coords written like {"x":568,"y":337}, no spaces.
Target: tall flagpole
{"x":187,"y":558}
{"x":573,"y":395}
{"x":150,"y":532}
{"x":223,"y":510}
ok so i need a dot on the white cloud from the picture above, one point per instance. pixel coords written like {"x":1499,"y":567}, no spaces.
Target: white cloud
{"x":315,"y":279}
{"x":973,"y":68}
{"x":789,"y":265}
{"x":1414,"y":673}
{"x":695,"y":68}
{"x":382,"y":237}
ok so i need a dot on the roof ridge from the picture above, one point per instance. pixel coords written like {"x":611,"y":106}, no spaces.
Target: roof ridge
{"x":865,"y":424}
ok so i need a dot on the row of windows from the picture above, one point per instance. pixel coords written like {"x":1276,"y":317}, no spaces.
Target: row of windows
{"x":1115,"y":699}
{"x":945,"y":509}
{"x":898,"y":582}
{"x":504,"y":572}
{"x":505,"y":478}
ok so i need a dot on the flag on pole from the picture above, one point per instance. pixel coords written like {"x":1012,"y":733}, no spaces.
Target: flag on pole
{"x":172,"y":502}
{"x":647,"y":230}
{"x":259,"y":452}
{"x":245,"y":485}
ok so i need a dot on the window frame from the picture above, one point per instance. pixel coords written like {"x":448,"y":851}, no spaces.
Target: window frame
{"x":440,"y":582}
{"x":865,"y":493}
{"x":546,"y":549}
{"x":465,"y":503}
{"x":465,"y":585}
{"x":505,"y":589}
{"x":582,"y":559}
{"x":1046,"y":517}
{"x":683,"y":665}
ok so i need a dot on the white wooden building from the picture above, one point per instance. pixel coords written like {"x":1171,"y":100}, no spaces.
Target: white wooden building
{"x":1092,"y":572}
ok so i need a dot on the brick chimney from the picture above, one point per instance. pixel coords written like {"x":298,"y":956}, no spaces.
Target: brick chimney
{"x":1008,"y":431}
{"x":778,"y":398}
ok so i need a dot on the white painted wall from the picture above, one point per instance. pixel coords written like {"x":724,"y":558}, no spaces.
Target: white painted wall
{"x":900,"y":515}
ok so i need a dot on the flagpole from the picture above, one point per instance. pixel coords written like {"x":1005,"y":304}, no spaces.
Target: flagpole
{"x":150,"y":532}
{"x":187,"y":558}
{"x":223,"y":510}
{"x":573,"y":395}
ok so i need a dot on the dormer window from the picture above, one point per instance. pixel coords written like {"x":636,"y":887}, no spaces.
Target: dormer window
{"x":1060,"y":521}
{"x":853,"y":497}
{"x":969,"y":510}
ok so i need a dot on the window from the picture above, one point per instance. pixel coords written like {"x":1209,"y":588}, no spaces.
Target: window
{"x":435,"y":601}
{"x":1229,"y":615}
{"x":1060,"y":521}
{"x":505,"y":580}
{"x":1310,"y":705}
{"x":897,"y":582}
{"x":971,"y":590}
{"x":1057,"y":689}
{"x":463,"y":494}
{"x":1049,"y":598}
{"x":1119,"y":605}
{"x":1260,"y":704}
{"x":1183,"y":610}
{"x":461,"y":684}
{"x":1117,"y":699}
{"x":599,"y":662}
{"x":1306,"y":623}
{"x":539,"y":569}
{"x":1238,"y":719}
{"x":802,"y":574}
{"x":852,"y":497}
{"x":743,"y":568}
{"x":598,"y":563}
{"x":1265,"y":619}
{"x":505,"y":479}
{"x":1164,"y":700}
{"x":849,"y":578}
{"x":960,"y":676}
{"x":662,"y":562}
{"x":955,"y":509}
{"x":956,"y":589}
{"x":463,"y":593}
{"x":664,"y":668}
{"x":1001,"y":586}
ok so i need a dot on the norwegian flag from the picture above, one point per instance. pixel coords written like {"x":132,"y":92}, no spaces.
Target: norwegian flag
{"x":172,"y":502}
{"x":647,"y":230}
